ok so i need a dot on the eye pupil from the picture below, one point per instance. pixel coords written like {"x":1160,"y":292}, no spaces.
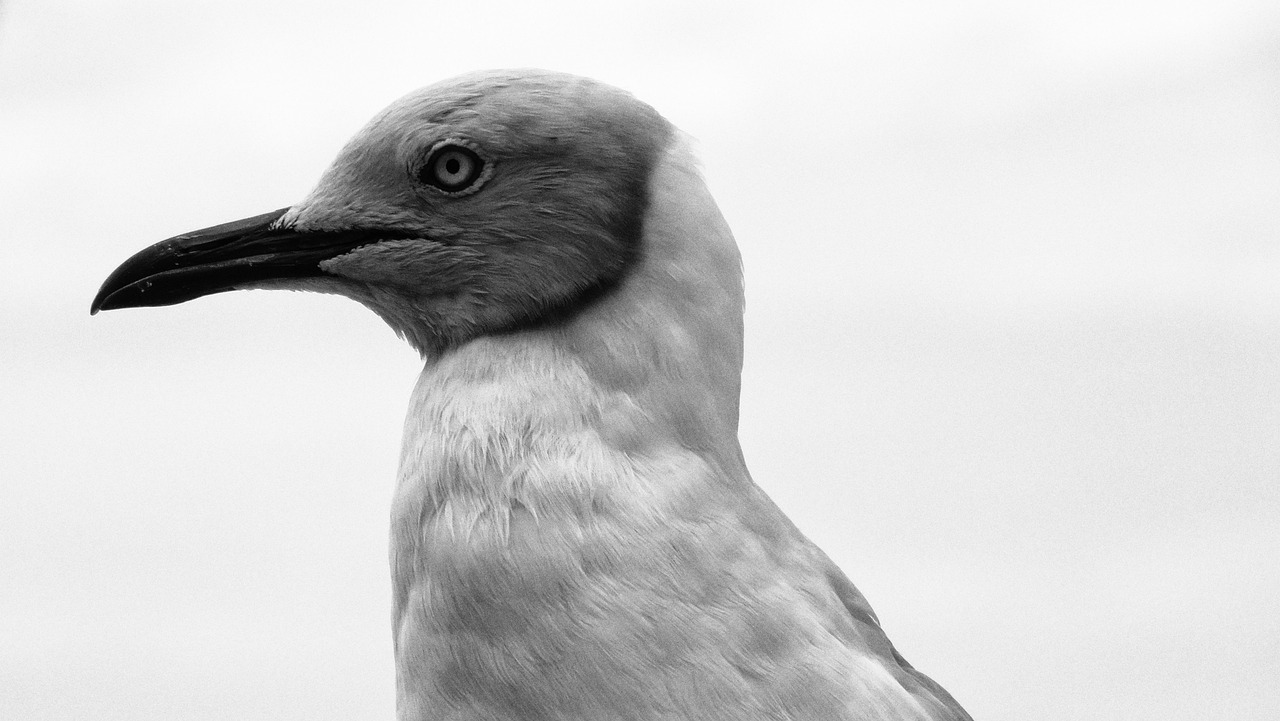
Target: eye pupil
{"x":452,"y":167}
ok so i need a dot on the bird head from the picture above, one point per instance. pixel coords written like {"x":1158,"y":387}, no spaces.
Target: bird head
{"x":485,"y":204}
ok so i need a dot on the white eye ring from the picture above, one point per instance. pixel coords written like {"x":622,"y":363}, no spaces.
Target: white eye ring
{"x":454,"y":168}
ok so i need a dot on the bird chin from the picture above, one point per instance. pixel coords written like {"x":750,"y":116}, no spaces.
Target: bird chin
{"x":414,"y":317}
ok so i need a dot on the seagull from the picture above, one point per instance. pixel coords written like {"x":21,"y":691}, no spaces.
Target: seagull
{"x":574,"y":532}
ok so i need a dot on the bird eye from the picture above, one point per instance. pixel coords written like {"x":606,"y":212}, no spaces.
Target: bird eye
{"x":452,"y":167}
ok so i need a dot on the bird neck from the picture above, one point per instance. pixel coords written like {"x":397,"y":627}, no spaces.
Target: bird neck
{"x":650,"y":371}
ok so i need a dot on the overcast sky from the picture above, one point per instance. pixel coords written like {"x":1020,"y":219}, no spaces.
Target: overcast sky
{"x":1013,"y":325}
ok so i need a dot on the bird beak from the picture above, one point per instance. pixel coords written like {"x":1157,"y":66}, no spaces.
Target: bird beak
{"x":225,"y":257}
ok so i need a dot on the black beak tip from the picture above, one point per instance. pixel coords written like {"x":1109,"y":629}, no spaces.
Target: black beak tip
{"x":121,"y":286}
{"x":100,"y":301}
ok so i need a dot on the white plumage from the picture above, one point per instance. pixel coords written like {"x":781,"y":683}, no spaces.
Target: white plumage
{"x":574,"y":534}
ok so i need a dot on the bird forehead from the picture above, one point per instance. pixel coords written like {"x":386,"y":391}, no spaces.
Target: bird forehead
{"x":519,"y":112}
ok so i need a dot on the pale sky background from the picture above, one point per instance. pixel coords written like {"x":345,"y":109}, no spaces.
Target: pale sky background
{"x":1013,"y":358}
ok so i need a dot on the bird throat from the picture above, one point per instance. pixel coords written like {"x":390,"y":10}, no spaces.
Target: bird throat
{"x":540,"y":467}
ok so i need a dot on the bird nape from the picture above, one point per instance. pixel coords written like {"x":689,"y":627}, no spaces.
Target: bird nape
{"x":574,"y":532}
